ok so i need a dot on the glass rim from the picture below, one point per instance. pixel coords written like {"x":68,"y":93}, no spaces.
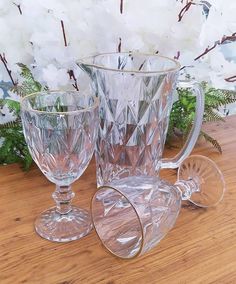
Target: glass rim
{"x":136,"y":213}
{"x":97,"y":66}
{"x":24,"y":107}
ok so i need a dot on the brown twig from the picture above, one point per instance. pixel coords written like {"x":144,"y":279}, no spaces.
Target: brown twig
{"x":70,"y":72}
{"x":119,"y":45}
{"x":4,"y":57}
{"x":119,"y":50}
{"x":141,"y":66}
{"x":63,"y":31}
{"x":208,"y":49}
{"x":18,"y":6}
{"x":177,"y":56}
{"x":72,"y":77}
{"x":184,"y":10}
{"x":4,"y":61}
{"x":121,"y":11}
{"x":219,"y":42}
{"x":231,"y":79}
{"x":121,"y":6}
{"x":186,"y":66}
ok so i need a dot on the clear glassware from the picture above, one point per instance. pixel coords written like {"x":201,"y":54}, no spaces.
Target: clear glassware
{"x":60,"y":129}
{"x":136,"y":93}
{"x":133,"y":214}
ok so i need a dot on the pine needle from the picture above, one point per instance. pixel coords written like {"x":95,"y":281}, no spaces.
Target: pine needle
{"x":14,"y":148}
{"x":10,"y":124}
{"x":29,"y":85}
{"x":183,"y":111}
{"x":211,"y":140}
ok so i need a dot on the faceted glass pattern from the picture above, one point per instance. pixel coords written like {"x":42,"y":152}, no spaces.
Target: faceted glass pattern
{"x":60,"y":129}
{"x":135,"y":103}
{"x":132,"y":215}
{"x":61,"y":143}
{"x":209,"y":181}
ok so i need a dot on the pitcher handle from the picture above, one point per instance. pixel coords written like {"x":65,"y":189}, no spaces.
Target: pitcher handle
{"x":172,"y":163}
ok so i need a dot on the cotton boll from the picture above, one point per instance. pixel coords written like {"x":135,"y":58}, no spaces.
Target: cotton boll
{"x":134,"y":43}
{"x":53,"y":77}
{"x":151,"y":17}
{"x":56,"y":8}
{"x":219,"y":82}
{"x":221,"y":68}
{"x":220,"y":22}
{"x":186,"y":39}
{"x":16,"y":48}
{"x":214,"y":28}
{"x":186,"y":58}
{"x":200,"y":72}
{"x":95,"y":26}
{"x":6,"y":7}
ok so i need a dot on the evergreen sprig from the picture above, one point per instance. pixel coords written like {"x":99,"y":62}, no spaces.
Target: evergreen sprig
{"x":13,"y":147}
{"x":183,"y":112}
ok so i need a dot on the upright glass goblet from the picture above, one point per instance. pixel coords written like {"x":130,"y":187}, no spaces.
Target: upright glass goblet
{"x":60,"y":129}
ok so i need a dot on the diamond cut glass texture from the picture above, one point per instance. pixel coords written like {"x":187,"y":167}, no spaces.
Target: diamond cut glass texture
{"x":60,"y":129}
{"x":134,"y":113}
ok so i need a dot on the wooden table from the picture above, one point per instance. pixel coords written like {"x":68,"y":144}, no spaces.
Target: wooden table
{"x":200,"y":249}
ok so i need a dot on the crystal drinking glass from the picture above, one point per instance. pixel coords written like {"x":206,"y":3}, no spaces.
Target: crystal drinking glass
{"x":133,"y":214}
{"x":60,"y":129}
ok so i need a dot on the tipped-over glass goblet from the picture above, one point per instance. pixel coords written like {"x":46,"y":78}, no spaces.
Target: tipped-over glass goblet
{"x":60,"y":129}
{"x":133,"y":214}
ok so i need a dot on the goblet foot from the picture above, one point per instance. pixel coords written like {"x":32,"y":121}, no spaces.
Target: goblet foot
{"x":57,"y":227}
{"x":207,"y":177}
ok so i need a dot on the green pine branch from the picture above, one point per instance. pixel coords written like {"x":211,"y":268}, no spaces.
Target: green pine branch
{"x":183,"y":112}
{"x":10,"y":125}
{"x":29,"y":85}
{"x":13,"y":147}
{"x":211,"y":115}
{"x":213,"y":141}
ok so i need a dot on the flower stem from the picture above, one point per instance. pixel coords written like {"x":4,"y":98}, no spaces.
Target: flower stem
{"x":4,"y":61}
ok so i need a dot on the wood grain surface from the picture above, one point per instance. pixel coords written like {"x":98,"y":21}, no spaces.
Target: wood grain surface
{"x":200,"y":249}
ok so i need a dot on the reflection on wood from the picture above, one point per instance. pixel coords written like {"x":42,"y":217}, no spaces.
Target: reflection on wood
{"x":200,"y":249}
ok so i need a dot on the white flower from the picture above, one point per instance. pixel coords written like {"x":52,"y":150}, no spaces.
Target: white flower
{"x":36,"y":37}
{"x":53,"y":77}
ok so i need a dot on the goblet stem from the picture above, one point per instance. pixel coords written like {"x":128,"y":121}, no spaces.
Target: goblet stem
{"x":187,"y":187}
{"x":63,"y":196}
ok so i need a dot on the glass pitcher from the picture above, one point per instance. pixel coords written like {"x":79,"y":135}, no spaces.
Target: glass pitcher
{"x":136,"y":94}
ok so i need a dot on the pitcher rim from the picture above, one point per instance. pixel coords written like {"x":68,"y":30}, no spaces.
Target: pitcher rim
{"x":97,"y":66}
